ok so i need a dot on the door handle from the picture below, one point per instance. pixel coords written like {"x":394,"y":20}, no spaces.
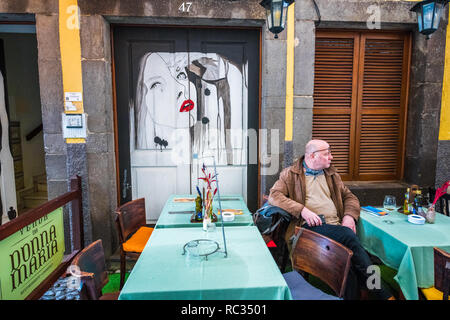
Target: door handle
{"x":125,"y":185}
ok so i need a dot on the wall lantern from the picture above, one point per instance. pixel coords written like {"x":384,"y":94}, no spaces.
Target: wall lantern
{"x":429,"y":14}
{"x":276,"y":11}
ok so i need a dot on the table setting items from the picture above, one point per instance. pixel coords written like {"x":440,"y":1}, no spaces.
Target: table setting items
{"x":418,"y":207}
{"x":389,"y":203}
{"x":228,"y":216}
{"x":431,"y":213}
{"x":182,"y":212}
{"x":235,"y":211}
{"x":204,"y":214}
{"x":204,"y":202}
{"x":196,"y":250}
{"x":413,"y":202}
{"x":374,"y":211}
{"x":416,"y":219}
{"x":184,"y":200}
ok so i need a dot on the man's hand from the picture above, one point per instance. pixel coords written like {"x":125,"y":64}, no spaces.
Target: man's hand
{"x":311,"y":218}
{"x":349,"y":222}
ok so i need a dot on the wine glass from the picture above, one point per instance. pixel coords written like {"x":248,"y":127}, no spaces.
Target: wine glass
{"x":389,"y":203}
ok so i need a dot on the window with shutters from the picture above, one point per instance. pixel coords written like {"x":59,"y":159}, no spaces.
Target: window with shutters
{"x":360,"y":101}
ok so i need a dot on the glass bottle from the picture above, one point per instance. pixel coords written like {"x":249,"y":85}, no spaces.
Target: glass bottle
{"x":406,"y":202}
{"x":198,"y":209}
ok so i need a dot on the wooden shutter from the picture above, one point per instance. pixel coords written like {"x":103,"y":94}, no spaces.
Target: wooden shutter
{"x":381,"y":106}
{"x":335,"y":95}
{"x":360,"y":94}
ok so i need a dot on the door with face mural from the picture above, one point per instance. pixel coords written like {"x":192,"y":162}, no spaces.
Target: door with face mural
{"x":183,"y":100}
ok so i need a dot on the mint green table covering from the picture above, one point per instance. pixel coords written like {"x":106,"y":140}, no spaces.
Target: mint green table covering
{"x":406,"y":247}
{"x":183,"y":220}
{"x":249,"y":271}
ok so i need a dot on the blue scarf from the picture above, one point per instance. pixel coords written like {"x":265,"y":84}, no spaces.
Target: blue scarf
{"x":312,"y":172}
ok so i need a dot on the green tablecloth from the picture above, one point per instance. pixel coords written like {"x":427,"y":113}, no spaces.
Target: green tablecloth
{"x":249,"y":271}
{"x":170,"y":219}
{"x":406,"y":247}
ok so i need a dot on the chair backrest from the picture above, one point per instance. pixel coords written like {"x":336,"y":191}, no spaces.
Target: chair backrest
{"x":130,"y":217}
{"x":92,"y":264}
{"x":322,"y":257}
{"x":442,"y":271}
{"x":444,"y":201}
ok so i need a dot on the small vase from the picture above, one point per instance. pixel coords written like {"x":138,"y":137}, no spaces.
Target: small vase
{"x":206,"y":222}
{"x":431,"y":215}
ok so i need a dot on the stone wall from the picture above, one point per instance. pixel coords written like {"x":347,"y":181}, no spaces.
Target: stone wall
{"x":427,"y":67}
{"x":98,"y":155}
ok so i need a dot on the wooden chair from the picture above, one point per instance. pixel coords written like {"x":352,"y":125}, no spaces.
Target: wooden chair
{"x":323,"y":258}
{"x":444,"y":202}
{"x":133,"y":233}
{"x":91,"y":261}
{"x":441,"y":288}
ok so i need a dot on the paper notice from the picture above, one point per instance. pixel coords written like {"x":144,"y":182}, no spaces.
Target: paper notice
{"x":69,"y":106}
{"x":73,"y":96}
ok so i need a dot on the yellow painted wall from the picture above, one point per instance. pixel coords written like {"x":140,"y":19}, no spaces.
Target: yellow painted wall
{"x":289,"y":117}
{"x":70,"y":46}
{"x":444,"y":128}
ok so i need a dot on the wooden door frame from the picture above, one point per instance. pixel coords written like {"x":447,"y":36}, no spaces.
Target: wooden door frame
{"x":114,"y":91}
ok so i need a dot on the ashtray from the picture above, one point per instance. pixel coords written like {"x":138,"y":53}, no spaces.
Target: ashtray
{"x":228,"y":216}
{"x":416,"y":219}
{"x":200,"y":248}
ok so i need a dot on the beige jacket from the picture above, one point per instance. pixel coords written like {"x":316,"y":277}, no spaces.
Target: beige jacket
{"x":289,"y":193}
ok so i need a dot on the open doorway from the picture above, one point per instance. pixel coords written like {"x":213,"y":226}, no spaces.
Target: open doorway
{"x":23,"y":178}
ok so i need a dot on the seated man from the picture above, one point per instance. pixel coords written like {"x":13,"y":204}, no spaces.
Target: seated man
{"x":312,"y":187}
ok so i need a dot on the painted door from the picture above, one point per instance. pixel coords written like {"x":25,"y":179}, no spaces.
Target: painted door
{"x":183,"y":100}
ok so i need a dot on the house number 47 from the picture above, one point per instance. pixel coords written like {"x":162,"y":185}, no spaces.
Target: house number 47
{"x":185,"y":7}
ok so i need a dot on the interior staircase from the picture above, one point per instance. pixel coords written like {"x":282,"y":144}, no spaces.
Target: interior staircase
{"x":34,"y":196}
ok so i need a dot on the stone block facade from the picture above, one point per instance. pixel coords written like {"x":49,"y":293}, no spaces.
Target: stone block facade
{"x":95,"y":161}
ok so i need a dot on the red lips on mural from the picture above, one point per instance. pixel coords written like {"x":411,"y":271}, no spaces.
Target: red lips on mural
{"x":187,"y":106}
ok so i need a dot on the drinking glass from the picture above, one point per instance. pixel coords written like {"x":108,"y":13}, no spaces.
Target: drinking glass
{"x":389,"y":203}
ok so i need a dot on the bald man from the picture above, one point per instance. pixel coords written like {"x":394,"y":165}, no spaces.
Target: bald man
{"x":312,"y":187}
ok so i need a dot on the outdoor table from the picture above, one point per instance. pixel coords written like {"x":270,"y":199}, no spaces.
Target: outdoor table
{"x":406,"y":247}
{"x":248,"y":272}
{"x":178,"y":214}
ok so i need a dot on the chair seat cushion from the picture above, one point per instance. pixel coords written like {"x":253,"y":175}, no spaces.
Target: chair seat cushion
{"x":138,"y":240}
{"x":433,"y":294}
{"x":302,"y":290}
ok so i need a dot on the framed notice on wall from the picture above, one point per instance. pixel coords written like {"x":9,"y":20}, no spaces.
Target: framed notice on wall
{"x":30,"y":255}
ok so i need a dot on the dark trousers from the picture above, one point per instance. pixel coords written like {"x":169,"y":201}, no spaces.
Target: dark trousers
{"x":360,"y":260}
